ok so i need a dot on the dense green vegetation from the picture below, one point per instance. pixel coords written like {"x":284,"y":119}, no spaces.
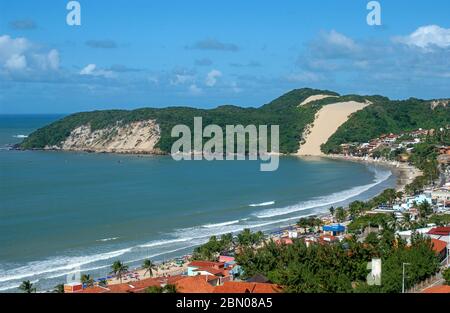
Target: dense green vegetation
{"x":384,"y":117}
{"x":226,"y":244}
{"x":341,"y":267}
{"x":283,"y":111}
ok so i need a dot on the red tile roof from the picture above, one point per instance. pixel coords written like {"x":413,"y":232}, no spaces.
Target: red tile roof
{"x":438,"y":245}
{"x":440,"y":231}
{"x":206,"y":264}
{"x":438,"y":289}
{"x":194,"y":284}
{"x":120,"y":288}
{"x":141,"y":285}
{"x":211,"y":270}
{"x":284,"y":241}
{"x":245,"y":287}
{"x":95,"y":289}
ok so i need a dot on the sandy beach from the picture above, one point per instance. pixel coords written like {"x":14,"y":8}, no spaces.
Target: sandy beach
{"x":405,"y":173}
{"x":329,"y":118}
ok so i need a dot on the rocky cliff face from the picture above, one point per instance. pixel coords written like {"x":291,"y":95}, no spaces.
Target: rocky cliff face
{"x":136,"y":137}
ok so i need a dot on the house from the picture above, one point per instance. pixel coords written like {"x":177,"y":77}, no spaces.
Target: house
{"x":440,"y":233}
{"x":194,"y":265}
{"x":195,"y":284}
{"x":327,"y":239}
{"x":441,"y":196}
{"x":73,"y":287}
{"x":132,"y":287}
{"x":440,"y":248}
{"x":94,"y":289}
{"x":334,"y":229}
{"x":283,"y":241}
{"x":246,"y":287}
{"x":406,"y":234}
{"x":225,"y":259}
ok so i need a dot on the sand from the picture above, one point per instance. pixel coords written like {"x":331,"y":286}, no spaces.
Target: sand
{"x":315,"y":98}
{"x":404,"y":172}
{"x":329,"y":118}
{"x":135,"y":137}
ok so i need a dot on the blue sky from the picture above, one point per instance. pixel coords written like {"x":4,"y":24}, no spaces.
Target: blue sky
{"x":130,"y":54}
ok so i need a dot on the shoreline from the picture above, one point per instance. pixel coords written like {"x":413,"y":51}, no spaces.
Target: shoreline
{"x":168,"y":267}
{"x":404,"y":172}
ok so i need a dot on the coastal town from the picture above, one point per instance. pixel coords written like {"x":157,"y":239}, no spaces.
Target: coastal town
{"x":415,"y":214}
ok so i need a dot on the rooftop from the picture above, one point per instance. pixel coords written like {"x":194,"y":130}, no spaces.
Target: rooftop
{"x":438,"y":245}
{"x":438,"y":289}
{"x":440,"y":231}
{"x":246,"y":287}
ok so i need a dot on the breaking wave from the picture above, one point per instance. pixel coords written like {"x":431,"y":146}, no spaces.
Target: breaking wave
{"x":262,"y":204}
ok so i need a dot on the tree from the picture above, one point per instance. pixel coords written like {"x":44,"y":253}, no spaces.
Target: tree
{"x":170,"y":288}
{"x":248,"y":239}
{"x":341,"y":214}
{"x":149,"y":266}
{"x":154,"y":289}
{"x":425,"y":209}
{"x":332,"y":210}
{"x":27,"y":287}
{"x":446,"y":275}
{"x":119,"y":269}
{"x":87,"y":280}
{"x":59,"y":288}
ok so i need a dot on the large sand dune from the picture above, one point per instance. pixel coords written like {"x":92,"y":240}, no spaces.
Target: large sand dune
{"x":315,"y":98}
{"x":327,"y":121}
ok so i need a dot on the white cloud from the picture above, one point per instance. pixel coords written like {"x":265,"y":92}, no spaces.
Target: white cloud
{"x":88,"y":70}
{"x":53,"y":59}
{"x":18,"y":54}
{"x":92,"y":70}
{"x":195,"y":90}
{"x":10,"y":46}
{"x":427,"y":37}
{"x":211,"y":77}
{"x":16,"y":62}
{"x":181,"y":79}
{"x":338,"y":39}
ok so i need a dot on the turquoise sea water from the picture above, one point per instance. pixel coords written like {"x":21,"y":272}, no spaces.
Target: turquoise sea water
{"x":62,"y":212}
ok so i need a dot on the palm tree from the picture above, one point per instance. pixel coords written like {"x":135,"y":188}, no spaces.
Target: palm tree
{"x":27,"y":287}
{"x":59,"y":288}
{"x":341,"y":214}
{"x":87,"y":280}
{"x":332,"y":210}
{"x":118,"y":269}
{"x":149,"y":266}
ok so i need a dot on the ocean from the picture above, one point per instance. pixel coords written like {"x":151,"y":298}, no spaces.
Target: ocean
{"x":64,"y":212}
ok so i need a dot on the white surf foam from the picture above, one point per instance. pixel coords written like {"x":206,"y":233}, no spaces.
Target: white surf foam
{"x":331,"y":199}
{"x":164,"y":242}
{"x":220,"y":224}
{"x":58,"y":264}
{"x":108,"y":239}
{"x":262,"y":204}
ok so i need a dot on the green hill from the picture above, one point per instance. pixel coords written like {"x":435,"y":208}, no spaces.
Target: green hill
{"x":382,"y":116}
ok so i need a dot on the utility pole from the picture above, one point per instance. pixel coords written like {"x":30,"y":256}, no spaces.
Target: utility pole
{"x":403,"y":280}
